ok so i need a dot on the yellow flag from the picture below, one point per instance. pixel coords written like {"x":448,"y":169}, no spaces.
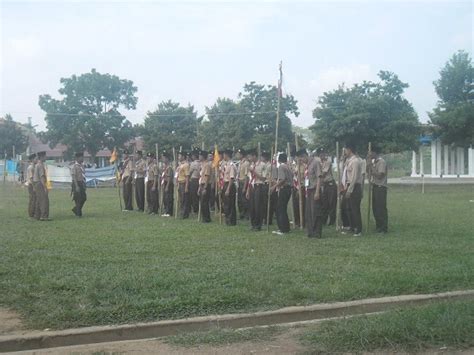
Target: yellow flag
{"x":113,"y":157}
{"x":49,"y":185}
{"x":215,"y":161}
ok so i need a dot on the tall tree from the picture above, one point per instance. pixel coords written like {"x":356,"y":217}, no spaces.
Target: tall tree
{"x":171,"y":125}
{"x":11,"y":135}
{"x":367,"y":112}
{"x":250,"y":119}
{"x":454,"y":114}
{"x":88,"y":116}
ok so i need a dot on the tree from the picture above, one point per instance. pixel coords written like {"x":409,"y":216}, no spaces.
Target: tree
{"x":11,"y":135}
{"x":88,"y":116}
{"x":454,"y":114}
{"x":367,"y":112}
{"x":250,"y":119}
{"x":171,"y":125}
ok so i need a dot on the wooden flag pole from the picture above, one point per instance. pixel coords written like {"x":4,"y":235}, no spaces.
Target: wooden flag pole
{"x":292,"y":210}
{"x":269,"y":191}
{"x":369,"y":177}
{"x":338,"y":201}
{"x":300,"y":190}
{"x":278,"y":108}
{"x":175,"y":188}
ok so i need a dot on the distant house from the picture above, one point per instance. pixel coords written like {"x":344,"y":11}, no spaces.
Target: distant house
{"x":57,"y":153}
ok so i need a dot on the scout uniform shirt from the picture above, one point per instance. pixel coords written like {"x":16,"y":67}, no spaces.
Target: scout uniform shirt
{"x":127,"y":168}
{"x":167,"y":174}
{"x":140,"y":168}
{"x":229,"y":171}
{"x":205,"y":174}
{"x":327,"y":171}
{"x":353,"y":171}
{"x":29,"y":173}
{"x":313,"y":173}
{"x":244,"y":169}
{"x":152,"y":171}
{"x":260,"y":173}
{"x":39,"y":172}
{"x":183,"y":171}
{"x":78,"y":173}
{"x":380,"y":166}
{"x":195,"y":169}
{"x":285,"y":174}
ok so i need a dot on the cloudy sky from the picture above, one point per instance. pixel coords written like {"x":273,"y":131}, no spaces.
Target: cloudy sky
{"x":196,"y":51}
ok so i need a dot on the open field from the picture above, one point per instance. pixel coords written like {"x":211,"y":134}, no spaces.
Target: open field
{"x":111,"y":267}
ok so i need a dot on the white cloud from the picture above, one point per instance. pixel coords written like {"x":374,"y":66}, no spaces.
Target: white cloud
{"x":329,"y":79}
{"x":24,"y":47}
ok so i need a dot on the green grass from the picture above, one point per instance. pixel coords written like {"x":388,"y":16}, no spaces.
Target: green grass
{"x":111,"y":267}
{"x":446,"y":324}
{"x":220,"y":337}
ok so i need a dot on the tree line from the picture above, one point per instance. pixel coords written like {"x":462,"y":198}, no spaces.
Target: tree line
{"x":89,"y":115}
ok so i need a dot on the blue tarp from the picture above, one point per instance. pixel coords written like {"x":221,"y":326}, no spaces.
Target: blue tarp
{"x":11,"y":167}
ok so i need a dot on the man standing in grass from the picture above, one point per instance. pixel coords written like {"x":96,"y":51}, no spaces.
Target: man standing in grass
{"x":301,"y":163}
{"x":258,"y":194}
{"x":314,"y":208}
{"x":230,"y":173}
{"x":78,"y":176}
{"x":41,"y":189}
{"x":329,"y":190}
{"x":353,"y":188}
{"x":379,"y":190}
{"x":140,"y":170}
{"x":168,"y":186}
{"x":152,"y":194}
{"x":126,"y":177}
{"x":29,"y":181}
{"x":194,"y":171}
{"x":205,"y":187}
{"x":283,"y":186}
{"x":242,"y":201}
{"x":182,"y":174}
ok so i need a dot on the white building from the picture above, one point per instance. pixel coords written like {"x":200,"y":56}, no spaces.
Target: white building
{"x":447,"y":161}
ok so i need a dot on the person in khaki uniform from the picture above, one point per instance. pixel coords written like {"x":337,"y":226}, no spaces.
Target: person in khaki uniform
{"x":283,"y":186}
{"x":205,"y":187}
{"x":242,"y":201}
{"x":353,"y":188}
{"x":313,"y":177}
{"x":329,"y":189}
{"x":182,"y":178}
{"x":168,"y":185}
{"x":212,"y":193}
{"x":230,"y":174}
{"x":78,"y":177}
{"x":258,"y":189}
{"x":379,"y":190}
{"x":41,"y":189}
{"x":301,"y":156}
{"x":126,"y":176}
{"x":153,"y":176}
{"x":194,"y":171}
{"x":140,"y":171}
{"x":29,"y":181}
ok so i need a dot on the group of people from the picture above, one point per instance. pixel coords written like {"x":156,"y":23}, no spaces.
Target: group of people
{"x":251,"y":186}
{"x":245,"y":184}
{"x":36,"y":180}
{"x":37,"y":183}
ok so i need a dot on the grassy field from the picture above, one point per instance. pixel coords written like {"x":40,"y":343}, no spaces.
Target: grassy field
{"x":431,"y":327}
{"x":111,"y":267}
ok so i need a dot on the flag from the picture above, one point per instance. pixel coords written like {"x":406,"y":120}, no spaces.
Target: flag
{"x":113,"y":157}
{"x":215,"y":161}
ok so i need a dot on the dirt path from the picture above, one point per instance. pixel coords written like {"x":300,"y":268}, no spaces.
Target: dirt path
{"x":285,"y":343}
{"x":10,"y":322}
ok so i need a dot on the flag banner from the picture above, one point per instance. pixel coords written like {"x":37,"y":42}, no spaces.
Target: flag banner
{"x":113,"y":157}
